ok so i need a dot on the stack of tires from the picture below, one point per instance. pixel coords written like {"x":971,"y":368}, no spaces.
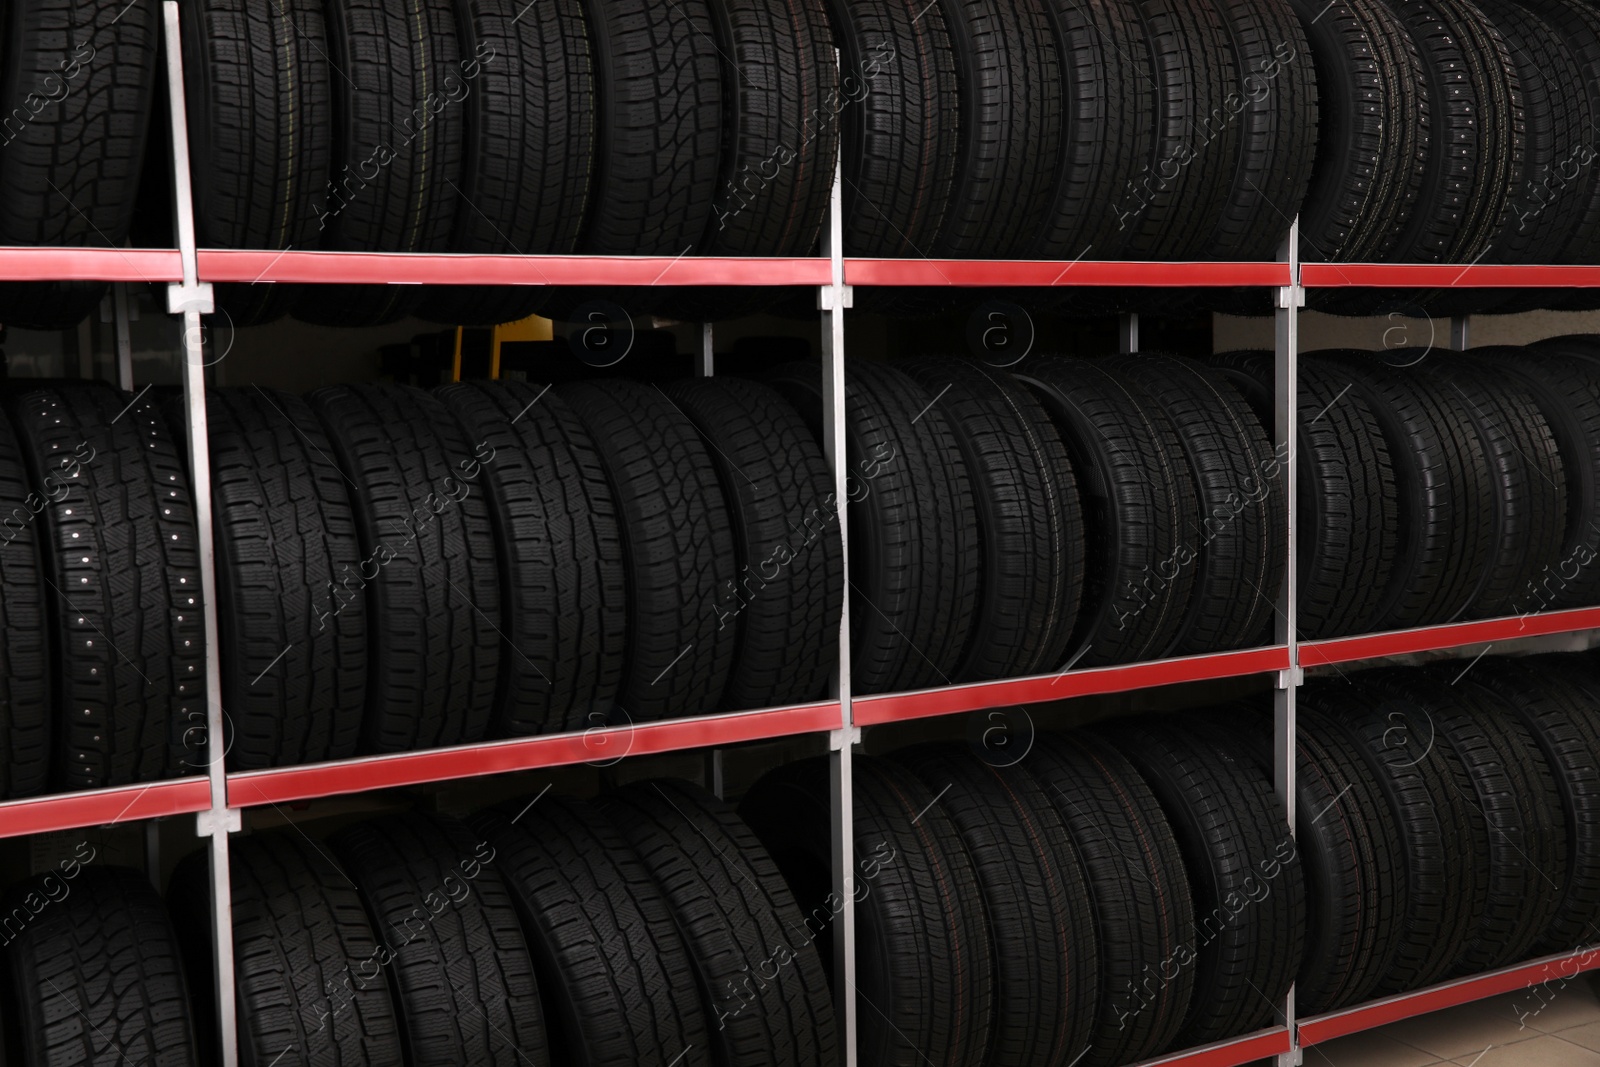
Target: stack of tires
{"x":399,"y":570}
{"x":1104,"y":894}
{"x":649,"y":927}
{"x":1441,"y":486}
{"x":1128,"y":889}
{"x":403,"y":570}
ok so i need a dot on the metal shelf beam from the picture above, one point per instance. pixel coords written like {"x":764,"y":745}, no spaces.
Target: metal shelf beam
{"x":1448,"y":636}
{"x":1547,"y":970}
{"x":979,"y":696}
{"x":1445,"y":276}
{"x":941,"y":273}
{"x":1230,"y":1053}
{"x":102,"y":807}
{"x":283,"y":785}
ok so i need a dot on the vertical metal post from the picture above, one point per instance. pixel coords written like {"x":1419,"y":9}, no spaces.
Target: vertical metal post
{"x":1128,"y":333}
{"x":191,"y":299}
{"x":705,"y":361}
{"x":705,"y":367}
{"x":1286,"y":407}
{"x":832,"y":300}
{"x":1459,"y":340}
{"x":119,"y":308}
{"x":152,"y":852}
{"x":716,"y":781}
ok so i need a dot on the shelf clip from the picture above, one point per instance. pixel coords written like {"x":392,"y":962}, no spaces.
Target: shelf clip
{"x":1292,"y":678}
{"x":1291,"y":296}
{"x":838,"y":739}
{"x":206,"y":823}
{"x":836,"y":297}
{"x":183,"y":297}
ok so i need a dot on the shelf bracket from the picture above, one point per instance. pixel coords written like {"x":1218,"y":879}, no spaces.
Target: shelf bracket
{"x":209,"y":822}
{"x":836,"y":297}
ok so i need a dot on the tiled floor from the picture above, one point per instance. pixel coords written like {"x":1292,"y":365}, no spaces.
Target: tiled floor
{"x":1550,"y":1027}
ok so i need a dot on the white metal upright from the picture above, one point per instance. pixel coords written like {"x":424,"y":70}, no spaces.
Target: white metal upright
{"x":191,"y":298}
{"x":832,"y":300}
{"x":1286,"y":406}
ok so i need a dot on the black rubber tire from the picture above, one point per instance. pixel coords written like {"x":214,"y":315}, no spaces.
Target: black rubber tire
{"x":898,"y":112}
{"x":1170,"y":209}
{"x":1528,"y":513}
{"x":1273,"y":101}
{"x":97,"y":972}
{"x":1240,"y":529}
{"x":77,"y":89}
{"x":779,"y":149}
{"x":120,"y":556}
{"x":462,"y":979}
{"x":779,"y":494}
{"x":1373,"y":130}
{"x":1526,"y":857}
{"x":1030,"y":520}
{"x":564,"y":628}
{"x":1558,"y":710}
{"x":658,"y":139}
{"x":1443,"y":833}
{"x":1144,"y":914}
{"x":924,"y":969}
{"x":1350,"y":852}
{"x":433,"y":591}
{"x":1578,"y":26}
{"x":1008,"y":74}
{"x":1221,"y":809}
{"x":1108,"y":120}
{"x":1137,"y":496}
{"x":1543,"y":212}
{"x":1442,"y":482}
{"x":1477,"y":138}
{"x":678,"y":549}
{"x":25,"y":650}
{"x":738,"y":917}
{"x":1349,"y":513}
{"x":300,"y":938}
{"x":915,"y":560}
{"x":257,"y":91}
{"x":1566,"y":390}
{"x":294,"y":676}
{"x":617,"y":979}
{"x":391,"y":117}
{"x":1041,"y":927}
{"x":526,"y":88}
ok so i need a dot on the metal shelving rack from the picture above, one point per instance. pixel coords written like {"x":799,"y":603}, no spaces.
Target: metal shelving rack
{"x":218,"y":800}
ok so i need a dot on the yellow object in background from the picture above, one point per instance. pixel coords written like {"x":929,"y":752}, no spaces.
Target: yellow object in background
{"x":532,"y":328}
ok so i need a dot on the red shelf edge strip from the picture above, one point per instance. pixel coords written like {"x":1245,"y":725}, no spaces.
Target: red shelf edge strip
{"x":1445,"y":276}
{"x":1034,"y":273}
{"x":599,"y":745}
{"x":1229,"y":1053}
{"x":228,"y":265}
{"x":1453,"y":635}
{"x":899,"y":707}
{"x":91,"y":264}
{"x":68,"y":811}
{"x":1550,"y":969}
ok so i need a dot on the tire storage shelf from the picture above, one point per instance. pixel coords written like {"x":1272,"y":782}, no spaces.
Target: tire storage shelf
{"x":218,"y":797}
